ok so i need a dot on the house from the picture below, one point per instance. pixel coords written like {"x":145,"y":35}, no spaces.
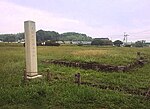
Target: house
{"x":104,"y":39}
{"x":147,"y":44}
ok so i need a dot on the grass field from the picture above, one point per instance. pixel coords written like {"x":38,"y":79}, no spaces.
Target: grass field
{"x":61,"y":92}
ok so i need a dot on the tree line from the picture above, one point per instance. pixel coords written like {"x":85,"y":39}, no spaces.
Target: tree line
{"x":52,"y":37}
{"x":43,"y":36}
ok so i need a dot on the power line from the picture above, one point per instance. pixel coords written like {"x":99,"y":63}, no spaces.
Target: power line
{"x":140,"y":32}
{"x":132,"y":33}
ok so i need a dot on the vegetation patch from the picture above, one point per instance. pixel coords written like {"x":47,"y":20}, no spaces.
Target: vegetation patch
{"x":99,"y":67}
{"x":89,"y":52}
{"x":98,"y":90}
{"x":140,"y":92}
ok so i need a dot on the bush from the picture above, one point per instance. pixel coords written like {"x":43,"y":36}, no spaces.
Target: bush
{"x":101,"y":41}
{"x":138,"y":44}
{"x":118,"y":43}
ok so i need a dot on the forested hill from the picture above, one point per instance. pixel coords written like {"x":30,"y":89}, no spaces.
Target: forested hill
{"x":68,"y":36}
{"x":47,"y":35}
{"x":75,"y":36}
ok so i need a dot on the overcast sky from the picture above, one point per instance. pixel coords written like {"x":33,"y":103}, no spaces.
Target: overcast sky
{"x":96,"y":18}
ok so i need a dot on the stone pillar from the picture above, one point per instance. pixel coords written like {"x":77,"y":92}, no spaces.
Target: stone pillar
{"x":30,"y":48}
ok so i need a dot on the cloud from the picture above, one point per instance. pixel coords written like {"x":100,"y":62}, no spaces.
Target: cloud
{"x":94,"y":23}
{"x":13,"y":16}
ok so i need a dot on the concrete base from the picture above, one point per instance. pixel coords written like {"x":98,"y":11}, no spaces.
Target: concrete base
{"x":33,"y":77}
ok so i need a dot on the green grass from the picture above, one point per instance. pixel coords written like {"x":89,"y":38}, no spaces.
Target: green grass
{"x":61,"y":92}
{"x":106,"y":55}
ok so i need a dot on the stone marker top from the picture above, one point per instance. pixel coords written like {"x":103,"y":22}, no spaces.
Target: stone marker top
{"x":29,"y":21}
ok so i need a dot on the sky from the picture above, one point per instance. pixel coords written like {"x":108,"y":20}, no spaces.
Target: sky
{"x":96,"y":18}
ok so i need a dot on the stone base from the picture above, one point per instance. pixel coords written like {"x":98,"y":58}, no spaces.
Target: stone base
{"x":33,"y":77}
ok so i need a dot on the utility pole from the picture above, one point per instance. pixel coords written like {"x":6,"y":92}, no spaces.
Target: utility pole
{"x":125,"y":40}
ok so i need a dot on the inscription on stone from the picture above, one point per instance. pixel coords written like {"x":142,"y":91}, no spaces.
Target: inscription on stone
{"x":30,"y":48}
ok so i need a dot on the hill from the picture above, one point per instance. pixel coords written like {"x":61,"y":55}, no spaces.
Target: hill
{"x":47,"y":35}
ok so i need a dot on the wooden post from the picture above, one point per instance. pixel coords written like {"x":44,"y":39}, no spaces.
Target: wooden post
{"x":78,"y":78}
{"x":138,"y":55}
{"x":49,"y":75}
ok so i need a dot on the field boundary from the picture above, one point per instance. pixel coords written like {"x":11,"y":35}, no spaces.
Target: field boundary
{"x":99,"y":67}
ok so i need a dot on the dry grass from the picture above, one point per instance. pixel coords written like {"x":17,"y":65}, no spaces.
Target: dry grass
{"x":90,"y":52}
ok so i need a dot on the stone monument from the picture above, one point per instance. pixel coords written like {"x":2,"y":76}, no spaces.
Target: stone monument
{"x":30,"y":50}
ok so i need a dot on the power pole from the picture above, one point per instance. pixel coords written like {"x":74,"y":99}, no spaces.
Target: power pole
{"x":125,"y":40}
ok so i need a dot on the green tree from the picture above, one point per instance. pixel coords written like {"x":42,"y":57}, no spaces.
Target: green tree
{"x":101,"y":42}
{"x":118,"y":43}
{"x":47,"y":35}
{"x":43,"y":36}
{"x":72,"y":36}
{"x":9,"y":38}
{"x":139,"y":44}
